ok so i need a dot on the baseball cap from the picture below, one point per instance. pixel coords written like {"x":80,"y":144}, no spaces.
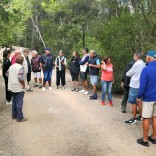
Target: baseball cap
{"x":151,"y":53}
{"x":49,"y":49}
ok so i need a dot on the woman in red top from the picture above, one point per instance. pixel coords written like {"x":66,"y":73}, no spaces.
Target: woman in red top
{"x":107,"y":78}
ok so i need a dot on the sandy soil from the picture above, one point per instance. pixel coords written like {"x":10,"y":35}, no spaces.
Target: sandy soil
{"x":65,"y":123}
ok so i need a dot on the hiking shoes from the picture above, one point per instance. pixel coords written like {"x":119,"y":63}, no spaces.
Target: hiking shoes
{"x":21,"y":120}
{"x":153,"y":141}
{"x":131,"y":121}
{"x":142,"y":142}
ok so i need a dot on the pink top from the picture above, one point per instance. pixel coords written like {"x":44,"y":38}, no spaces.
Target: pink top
{"x":107,"y":74}
{"x":13,"y":60}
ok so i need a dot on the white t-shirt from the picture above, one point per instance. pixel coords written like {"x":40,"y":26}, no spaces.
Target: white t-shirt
{"x":135,"y":73}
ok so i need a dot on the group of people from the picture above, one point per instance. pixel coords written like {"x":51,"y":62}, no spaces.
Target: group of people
{"x":138,"y":81}
{"x":90,"y":64}
{"x":17,"y":74}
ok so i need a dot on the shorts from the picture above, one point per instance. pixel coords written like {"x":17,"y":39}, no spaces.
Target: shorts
{"x":148,"y":109}
{"x":133,"y":95}
{"x":28,"y":77}
{"x":83,"y":76}
{"x":75,"y":77}
{"x":47,"y":75}
{"x":93,"y":79}
{"x":37,"y":75}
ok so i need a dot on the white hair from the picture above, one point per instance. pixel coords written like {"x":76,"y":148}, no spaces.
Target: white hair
{"x":17,"y":51}
{"x":35,"y":52}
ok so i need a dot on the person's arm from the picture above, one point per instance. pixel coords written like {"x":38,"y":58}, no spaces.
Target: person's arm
{"x":97,"y":64}
{"x":41,"y":63}
{"x":132,"y":71}
{"x":103,"y":66}
{"x":56,"y":63}
{"x":65,"y":62}
{"x":113,"y":80}
{"x":21,"y":77}
{"x":143,"y":83}
{"x":85,"y":60}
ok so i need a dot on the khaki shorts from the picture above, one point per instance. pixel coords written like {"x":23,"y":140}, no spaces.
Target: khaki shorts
{"x":148,"y":109}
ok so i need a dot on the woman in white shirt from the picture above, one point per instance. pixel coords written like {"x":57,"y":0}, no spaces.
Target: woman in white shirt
{"x":60,"y":63}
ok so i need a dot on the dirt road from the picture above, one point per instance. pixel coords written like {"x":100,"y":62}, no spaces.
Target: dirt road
{"x":65,"y":123}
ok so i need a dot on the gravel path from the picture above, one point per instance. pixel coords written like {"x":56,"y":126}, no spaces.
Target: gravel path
{"x":65,"y":123}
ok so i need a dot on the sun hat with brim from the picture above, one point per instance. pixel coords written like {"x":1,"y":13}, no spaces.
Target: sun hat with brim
{"x":49,"y":49}
{"x":151,"y":53}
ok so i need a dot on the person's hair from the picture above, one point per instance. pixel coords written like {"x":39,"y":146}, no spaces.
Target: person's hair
{"x":19,"y":59}
{"x":77,"y":55}
{"x":5,"y":53}
{"x":26,"y":50}
{"x":105,"y":59}
{"x":62,"y":51}
{"x":86,"y":49}
{"x":139,"y":53}
{"x":17,"y":51}
{"x":35,"y":52}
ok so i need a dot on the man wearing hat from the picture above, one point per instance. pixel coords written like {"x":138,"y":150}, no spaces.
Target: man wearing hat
{"x":47,"y":63}
{"x":147,"y":94}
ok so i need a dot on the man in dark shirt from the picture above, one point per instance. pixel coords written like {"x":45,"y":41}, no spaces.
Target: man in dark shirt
{"x":125,"y":84}
{"x":47,"y":63}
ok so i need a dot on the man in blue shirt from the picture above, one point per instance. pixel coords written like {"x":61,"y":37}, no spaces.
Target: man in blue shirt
{"x":47,"y":63}
{"x":147,"y":94}
{"x":94,"y":68}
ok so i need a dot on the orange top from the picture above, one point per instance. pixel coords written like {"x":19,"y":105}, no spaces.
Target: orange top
{"x":107,"y":74}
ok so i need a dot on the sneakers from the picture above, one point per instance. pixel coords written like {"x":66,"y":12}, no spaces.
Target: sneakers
{"x":103,"y":103}
{"x":131,"y":121}
{"x":35,"y":85}
{"x":29,"y":90}
{"x":153,"y":141}
{"x":9,"y":103}
{"x":77,"y":89}
{"x":73,"y":89}
{"x":139,"y":118}
{"x":50,"y":89}
{"x":63,"y":88}
{"x":93,"y":97}
{"x":86,"y":93}
{"x":123,"y":111}
{"x":82,"y":91}
{"x":111,"y":104}
{"x":142,"y":142}
{"x":21,"y":120}
{"x":40,"y":86}
{"x":44,"y":89}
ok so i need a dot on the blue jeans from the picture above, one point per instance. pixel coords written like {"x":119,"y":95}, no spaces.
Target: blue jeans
{"x":17,"y":104}
{"x":106,"y":87}
{"x":47,"y":75}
